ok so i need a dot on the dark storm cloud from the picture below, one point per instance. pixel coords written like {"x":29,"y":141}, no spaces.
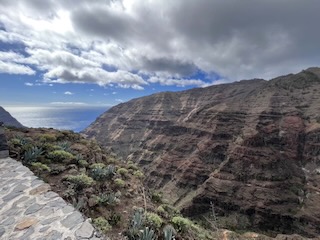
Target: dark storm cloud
{"x":102,"y":21}
{"x":172,"y":66}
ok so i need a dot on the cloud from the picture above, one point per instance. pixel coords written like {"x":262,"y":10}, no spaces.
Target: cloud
{"x":10,"y":62}
{"x":28,"y":84}
{"x":14,"y":68}
{"x":177,"y":82}
{"x":168,"y":65}
{"x":130,"y":44}
{"x":68,"y":93}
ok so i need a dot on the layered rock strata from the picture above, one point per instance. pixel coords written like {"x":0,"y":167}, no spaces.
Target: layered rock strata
{"x":250,"y":148}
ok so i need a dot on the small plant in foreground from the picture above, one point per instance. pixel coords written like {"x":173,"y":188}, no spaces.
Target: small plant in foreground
{"x":147,"y":234}
{"x":102,"y":224}
{"x":108,"y":199}
{"x":181,"y":224}
{"x":60,"y":156}
{"x":137,"y":222}
{"x":122,"y":172}
{"x":156,"y":197}
{"x":65,"y":146}
{"x":40,"y":167}
{"x":138,"y":174}
{"x":114,"y":219}
{"x":100,"y":172}
{"x":83,"y":163}
{"x":168,"y":232}
{"x":119,"y":183}
{"x":154,"y":220}
{"x":32,"y":154}
{"x":80,"y":181}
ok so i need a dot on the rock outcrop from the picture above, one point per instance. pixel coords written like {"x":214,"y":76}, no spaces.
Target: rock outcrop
{"x":4,"y":149}
{"x":8,"y":120}
{"x":250,"y":148}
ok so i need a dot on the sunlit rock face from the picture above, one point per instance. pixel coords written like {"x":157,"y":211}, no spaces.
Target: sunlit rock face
{"x":251,"y":148}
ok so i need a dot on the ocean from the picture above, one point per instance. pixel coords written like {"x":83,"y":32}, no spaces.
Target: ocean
{"x":63,"y":118}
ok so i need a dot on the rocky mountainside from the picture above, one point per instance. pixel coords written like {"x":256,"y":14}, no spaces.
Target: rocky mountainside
{"x":251,"y":149}
{"x":7,"y":119}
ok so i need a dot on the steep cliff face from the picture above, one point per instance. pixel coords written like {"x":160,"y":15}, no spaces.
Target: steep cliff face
{"x":7,"y":119}
{"x":4,"y":149}
{"x":251,"y":148}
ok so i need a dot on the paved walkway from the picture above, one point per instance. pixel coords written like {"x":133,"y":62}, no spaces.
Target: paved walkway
{"x":29,"y":210}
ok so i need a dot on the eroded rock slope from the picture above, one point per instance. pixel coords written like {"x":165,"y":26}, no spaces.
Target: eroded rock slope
{"x":8,"y":120}
{"x":252,"y":148}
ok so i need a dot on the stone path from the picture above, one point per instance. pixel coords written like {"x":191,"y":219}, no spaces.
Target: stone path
{"x":29,"y":210}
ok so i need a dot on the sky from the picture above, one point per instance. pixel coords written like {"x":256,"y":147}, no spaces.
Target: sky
{"x":104,"y":52}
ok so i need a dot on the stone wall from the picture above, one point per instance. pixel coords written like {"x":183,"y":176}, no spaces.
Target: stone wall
{"x":4,"y":150}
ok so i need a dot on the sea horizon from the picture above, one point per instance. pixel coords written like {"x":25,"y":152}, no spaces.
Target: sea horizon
{"x":75,"y":118}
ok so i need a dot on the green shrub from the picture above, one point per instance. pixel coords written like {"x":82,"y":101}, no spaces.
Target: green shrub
{"x":167,"y":210}
{"x":21,"y":140}
{"x":83,"y":163}
{"x":122,"y":172}
{"x":97,"y":165}
{"x":40,"y":167}
{"x":156,"y":197}
{"x":161,"y":211}
{"x":102,"y":224}
{"x":154,"y":220}
{"x":47,"y":138}
{"x":80,"y":181}
{"x":14,"y":142}
{"x":138,"y":174}
{"x":49,"y":147}
{"x":132,"y":166}
{"x":119,"y":183}
{"x":181,"y":224}
{"x":114,"y":219}
{"x":111,"y":160}
{"x":57,"y":169}
{"x":60,"y":156}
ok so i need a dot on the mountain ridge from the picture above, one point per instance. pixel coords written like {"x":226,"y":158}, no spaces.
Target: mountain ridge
{"x":250,"y":148}
{"x":8,"y":120}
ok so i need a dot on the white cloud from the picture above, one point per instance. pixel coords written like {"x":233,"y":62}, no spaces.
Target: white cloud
{"x":12,"y":63}
{"x":14,"y":68}
{"x":68,"y":93}
{"x":177,"y":82}
{"x":28,"y":84}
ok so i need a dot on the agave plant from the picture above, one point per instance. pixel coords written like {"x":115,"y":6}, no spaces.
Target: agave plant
{"x":101,"y":173}
{"x":109,"y":199}
{"x":21,"y":139}
{"x":147,"y":234}
{"x":32,"y":154}
{"x":168,"y":232}
{"x":111,"y":171}
{"x":137,"y":221}
{"x":65,"y":145}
